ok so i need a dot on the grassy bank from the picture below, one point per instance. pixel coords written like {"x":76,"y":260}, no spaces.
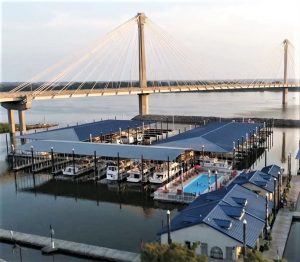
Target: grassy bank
{"x":4,"y":128}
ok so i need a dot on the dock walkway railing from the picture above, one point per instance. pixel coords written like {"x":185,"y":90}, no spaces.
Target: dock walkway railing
{"x":174,"y":197}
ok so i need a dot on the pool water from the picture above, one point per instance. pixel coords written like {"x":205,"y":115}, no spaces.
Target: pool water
{"x":200,"y":184}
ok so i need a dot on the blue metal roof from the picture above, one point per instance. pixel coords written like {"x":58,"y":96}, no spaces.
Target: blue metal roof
{"x":272,"y":170}
{"x":241,"y":201}
{"x":83,"y":132}
{"x":102,"y":149}
{"x":223,"y":223}
{"x":257,"y":178}
{"x":298,"y":154}
{"x":233,"y":211}
{"x":221,"y":209}
{"x":216,"y":137}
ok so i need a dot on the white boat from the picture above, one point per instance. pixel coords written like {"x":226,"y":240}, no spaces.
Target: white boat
{"x":114,"y":173}
{"x":160,"y":174}
{"x":75,"y":170}
{"x":136,"y":174}
{"x":124,"y":139}
{"x":215,"y":164}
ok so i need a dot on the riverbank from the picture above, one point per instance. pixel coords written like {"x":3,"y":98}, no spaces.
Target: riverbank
{"x":4,"y":127}
{"x":192,"y":120}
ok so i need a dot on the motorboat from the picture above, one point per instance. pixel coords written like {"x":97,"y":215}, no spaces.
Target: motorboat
{"x":75,"y":170}
{"x":161,"y":173}
{"x":136,"y":174}
{"x":114,"y":173}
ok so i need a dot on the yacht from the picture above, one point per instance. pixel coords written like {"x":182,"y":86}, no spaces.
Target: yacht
{"x":137,"y":175}
{"x":160,"y":174}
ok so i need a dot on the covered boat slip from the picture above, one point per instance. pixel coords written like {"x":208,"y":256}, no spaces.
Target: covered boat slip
{"x":156,"y":153}
{"x":216,"y":137}
{"x":83,"y":132}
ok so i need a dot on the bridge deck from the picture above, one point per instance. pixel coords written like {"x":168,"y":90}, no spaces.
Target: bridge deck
{"x":68,"y":247}
{"x":10,"y":96}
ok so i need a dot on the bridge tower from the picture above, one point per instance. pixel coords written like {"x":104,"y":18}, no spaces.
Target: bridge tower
{"x":285,"y":81}
{"x":143,"y":98}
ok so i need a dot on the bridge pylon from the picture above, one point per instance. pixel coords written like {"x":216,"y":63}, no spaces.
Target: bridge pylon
{"x":143,"y":98}
{"x":285,"y":72}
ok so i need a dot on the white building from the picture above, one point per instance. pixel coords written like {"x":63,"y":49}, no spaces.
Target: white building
{"x":215,"y":220}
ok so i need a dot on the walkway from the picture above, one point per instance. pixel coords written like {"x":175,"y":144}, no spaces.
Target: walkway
{"x":68,"y":247}
{"x":281,"y":227}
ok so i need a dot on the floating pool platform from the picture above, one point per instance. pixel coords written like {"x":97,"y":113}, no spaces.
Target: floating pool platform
{"x":186,"y":188}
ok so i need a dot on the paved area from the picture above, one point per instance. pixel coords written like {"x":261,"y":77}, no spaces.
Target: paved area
{"x":283,"y":223}
{"x":69,"y":247}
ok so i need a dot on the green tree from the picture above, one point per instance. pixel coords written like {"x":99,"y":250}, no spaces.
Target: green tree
{"x":174,"y":252}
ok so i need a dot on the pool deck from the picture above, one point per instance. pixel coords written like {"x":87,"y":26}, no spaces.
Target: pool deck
{"x":281,"y":227}
{"x":68,"y":247}
{"x":171,"y":191}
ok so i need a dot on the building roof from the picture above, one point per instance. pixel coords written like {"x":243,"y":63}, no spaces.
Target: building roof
{"x":216,"y":136}
{"x":83,"y":132}
{"x":225,"y":213}
{"x":273,"y":170}
{"x":257,"y":178}
{"x":158,"y":153}
{"x":298,"y":154}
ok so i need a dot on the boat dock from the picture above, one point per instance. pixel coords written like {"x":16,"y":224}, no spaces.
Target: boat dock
{"x":67,"y":247}
{"x":284,"y":218}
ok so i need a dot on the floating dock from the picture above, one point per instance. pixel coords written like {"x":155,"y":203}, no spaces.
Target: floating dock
{"x":68,"y":247}
{"x":283,"y":221}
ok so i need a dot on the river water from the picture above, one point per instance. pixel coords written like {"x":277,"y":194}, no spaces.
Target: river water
{"x":94,"y":214}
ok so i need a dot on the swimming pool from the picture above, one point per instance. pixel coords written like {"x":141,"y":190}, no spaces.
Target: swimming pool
{"x":199,"y":185}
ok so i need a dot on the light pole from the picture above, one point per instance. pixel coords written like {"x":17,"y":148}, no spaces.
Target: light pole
{"x":181,"y":180}
{"x":16,"y":245}
{"x":267,"y":217}
{"x":278,"y":191}
{"x":169,"y":227}
{"x":208,"y":182}
{"x":202,"y":155}
{"x":216,"y":180}
{"x":51,"y":236}
{"x":244,"y":238}
{"x":274,"y":196}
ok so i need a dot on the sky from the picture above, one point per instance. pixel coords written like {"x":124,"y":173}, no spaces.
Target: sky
{"x":224,"y":39}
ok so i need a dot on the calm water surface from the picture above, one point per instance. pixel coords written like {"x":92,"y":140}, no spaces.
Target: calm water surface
{"x":95,"y":214}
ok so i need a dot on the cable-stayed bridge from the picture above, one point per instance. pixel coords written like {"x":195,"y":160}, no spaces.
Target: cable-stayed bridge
{"x":136,"y":58}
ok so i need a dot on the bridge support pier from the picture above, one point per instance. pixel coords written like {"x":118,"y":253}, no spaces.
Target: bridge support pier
{"x":143,"y":104}
{"x":19,"y":106}
{"x":22,"y":122}
{"x":11,"y":121}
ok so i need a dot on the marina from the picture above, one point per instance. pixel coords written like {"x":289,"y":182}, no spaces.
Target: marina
{"x":167,"y":162}
{"x":166,"y":145}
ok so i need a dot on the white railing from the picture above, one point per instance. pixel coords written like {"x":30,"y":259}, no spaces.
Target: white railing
{"x":174,"y":197}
